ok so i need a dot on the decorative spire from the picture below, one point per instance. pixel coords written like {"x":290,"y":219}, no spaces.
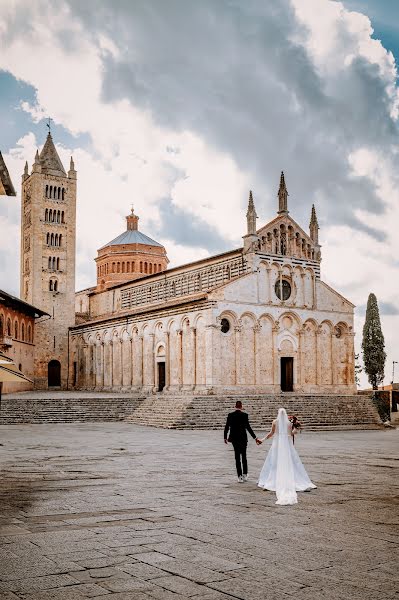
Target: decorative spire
{"x":282,"y":196}
{"x":132,"y":221}
{"x":72,"y":172}
{"x":251,"y":216}
{"x":314,"y":226}
{"x":49,"y":159}
{"x":26,"y":172}
{"x":36,"y":165}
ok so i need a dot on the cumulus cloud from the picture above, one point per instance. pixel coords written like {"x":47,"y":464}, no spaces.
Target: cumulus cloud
{"x":187,"y":105}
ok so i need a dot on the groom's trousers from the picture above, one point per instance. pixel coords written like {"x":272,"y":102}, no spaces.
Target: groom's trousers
{"x":240,"y":452}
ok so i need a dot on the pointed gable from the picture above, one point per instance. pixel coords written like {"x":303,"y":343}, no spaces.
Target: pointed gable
{"x":50,"y":161}
{"x":6,"y":186}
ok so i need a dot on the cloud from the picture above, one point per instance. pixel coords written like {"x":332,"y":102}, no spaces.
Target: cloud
{"x":185,"y":106}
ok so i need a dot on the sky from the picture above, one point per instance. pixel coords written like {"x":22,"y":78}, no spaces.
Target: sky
{"x":180,"y":107}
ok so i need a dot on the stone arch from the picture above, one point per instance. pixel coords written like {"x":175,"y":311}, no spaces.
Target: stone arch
{"x":295,"y":319}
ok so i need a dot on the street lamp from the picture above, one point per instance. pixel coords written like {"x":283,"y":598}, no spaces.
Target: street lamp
{"x":394,"y":403}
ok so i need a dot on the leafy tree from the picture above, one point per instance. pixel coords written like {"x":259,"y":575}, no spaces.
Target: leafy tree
{"x":373,"y":344}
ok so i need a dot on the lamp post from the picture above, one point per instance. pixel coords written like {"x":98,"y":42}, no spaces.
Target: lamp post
{"x":394,"y":403}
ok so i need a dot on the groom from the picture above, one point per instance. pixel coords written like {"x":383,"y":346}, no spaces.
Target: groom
{"x":238,"y":424}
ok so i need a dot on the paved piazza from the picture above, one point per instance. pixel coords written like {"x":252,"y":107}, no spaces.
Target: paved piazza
{"x":128,"y":512}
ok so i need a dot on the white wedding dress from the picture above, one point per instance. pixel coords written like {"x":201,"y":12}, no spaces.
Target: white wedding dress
{"x":283,"y":471}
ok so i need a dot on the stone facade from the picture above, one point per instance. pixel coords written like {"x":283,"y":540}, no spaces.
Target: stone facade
{"x":48,"y":229}
{"x":17,"y":337}
{"x":254,"y":320}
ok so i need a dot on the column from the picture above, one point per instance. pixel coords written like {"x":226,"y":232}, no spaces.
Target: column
{"x":268,"y":284}
{"x":257,"y":329}
{"x":102,"y":352}
{"x":237,"y":330}
{"x":111,"y":351}
{"x":141,"y":358}
{"x":131,"y":359}
{"x":193,"y":335}
{"x":209,"y":349}
{"x":121,"y":358}
{"x":152,"y":359}
{"x":275,"y":355}
{"x":303,"y":284}
{"x":179,"y":356}
{"x":167,"y":360}
{"x":318,"y":350}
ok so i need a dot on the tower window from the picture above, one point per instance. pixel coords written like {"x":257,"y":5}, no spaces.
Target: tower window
{"x":9,"y":327}
{"x":16,"y":330}
{"x":29,"y":334}
{"x":63,"y":194}
{"x":23,"y":332}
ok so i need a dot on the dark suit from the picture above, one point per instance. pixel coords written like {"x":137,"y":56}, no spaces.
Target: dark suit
{"x":238,"y":424}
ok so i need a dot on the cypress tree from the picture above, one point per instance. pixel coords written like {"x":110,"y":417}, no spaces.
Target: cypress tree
{"x":373,"y":344}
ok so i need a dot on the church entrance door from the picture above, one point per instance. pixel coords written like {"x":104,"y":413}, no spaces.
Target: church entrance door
{"x":287,"y":374}
{"x":54,"y":373}
{"x":161,"y":376}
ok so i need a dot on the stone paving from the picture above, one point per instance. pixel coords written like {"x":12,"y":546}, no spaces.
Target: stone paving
{"x":125,"y":512}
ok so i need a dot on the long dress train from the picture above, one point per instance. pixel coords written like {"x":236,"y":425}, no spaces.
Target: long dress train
{"x":283,"y":471}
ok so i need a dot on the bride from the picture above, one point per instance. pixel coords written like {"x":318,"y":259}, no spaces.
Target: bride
{"x":283,"y":471}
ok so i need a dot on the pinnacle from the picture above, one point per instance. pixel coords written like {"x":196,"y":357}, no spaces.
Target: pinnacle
{"x":49,"y":159}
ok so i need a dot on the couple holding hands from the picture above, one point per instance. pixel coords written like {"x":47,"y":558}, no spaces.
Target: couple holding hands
{"x":283,"y":471}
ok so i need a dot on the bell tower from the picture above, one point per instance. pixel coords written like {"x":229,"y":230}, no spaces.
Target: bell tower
{"x":47,"y":270}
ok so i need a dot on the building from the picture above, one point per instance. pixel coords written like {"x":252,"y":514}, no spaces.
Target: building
{"x":47,"y":269}
{"x":17,"y":336}
{"x":256,"y":319}
{"x":129,"y":256}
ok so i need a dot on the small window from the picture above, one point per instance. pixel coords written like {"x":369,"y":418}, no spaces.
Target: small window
{"x":224,"y":325}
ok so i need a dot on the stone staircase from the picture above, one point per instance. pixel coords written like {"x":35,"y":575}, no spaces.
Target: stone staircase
{"x":184,"y":412}
{"x":58,"y":407}
{"x":209,"y":412}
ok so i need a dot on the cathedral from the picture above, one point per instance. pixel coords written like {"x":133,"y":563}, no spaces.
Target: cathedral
{"x":256,"y":319}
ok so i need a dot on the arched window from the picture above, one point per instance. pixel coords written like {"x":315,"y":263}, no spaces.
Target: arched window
{"x":46,"y":214}
{"x":113,"y":268}
{"x":62,"y":217}
{"x":123,"y":267}
{"x":160,"y":267}
{"x":52,"y":239}
{"x":118,"y":267}
{"x":55,"y":193}
{"x":150,"y":268}
{"x":58,"y":193}
{"x":9,"y":327}
{"x":58,"y":264}
{"x":54,"y":263}
{"x":60,"y":239}
{"x":48,"y":239}
{"x":141,"y":267}
{"x":49,"y":263}
{"x":128,"y":267}
{"x":29,"y":334}
{"x":63,"y":194}
{"x":51,"y":191}
{"x":55,"y":288}
{"x":46,"y":191}
{"x":145,"y":267}
{"x":16,"y":330}
{"x":50,"y":285}
{"x":23,"y":332}
{"x":133,"y":266}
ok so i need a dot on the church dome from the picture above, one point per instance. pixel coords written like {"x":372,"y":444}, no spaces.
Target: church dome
{"x":129,"y":256}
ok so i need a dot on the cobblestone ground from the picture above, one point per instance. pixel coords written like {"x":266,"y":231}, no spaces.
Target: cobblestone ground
{"x":128,"y":512}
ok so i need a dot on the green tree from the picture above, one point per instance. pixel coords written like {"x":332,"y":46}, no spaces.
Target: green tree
{"x":373,"y":344}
